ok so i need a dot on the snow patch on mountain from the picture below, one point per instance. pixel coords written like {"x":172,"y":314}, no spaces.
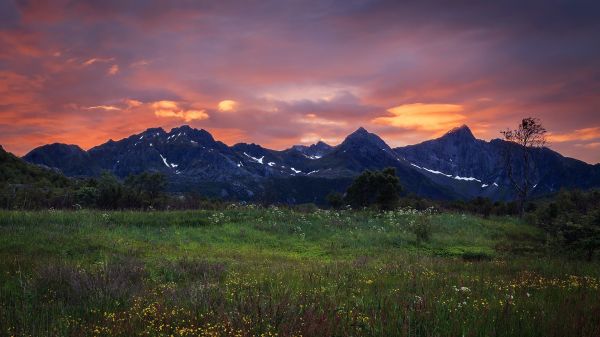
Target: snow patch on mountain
{"x":457,"y":177}
{"x":432,"y":171}
{"x":467,"y":178}
{"x":172,"y":165}
{"x":164,"y":160}
{"x":258,"y":160}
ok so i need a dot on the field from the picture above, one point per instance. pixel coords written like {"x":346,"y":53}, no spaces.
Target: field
{"x":250,"y":271}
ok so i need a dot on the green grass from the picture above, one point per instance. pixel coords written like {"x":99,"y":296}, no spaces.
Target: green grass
{"x":252,"y":271}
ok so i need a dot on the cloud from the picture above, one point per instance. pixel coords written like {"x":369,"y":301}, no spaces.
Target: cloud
{"x":312,"y":138}
{"x":171,"y":109}
{"x":579,"y":134}
{"x":97,"y":60}
{"x":228,"y":105}
{"x":190,"y":115}
{"x":332,"y":105}
{"x":316,"y":120}
{"x":166,"y":105}
{"x":113,"y":70}
{"x":140,"y":63}
{"x":345,"y":62}
{"x":104,"y":107}
{"x":132,"y":103}
{"x":19,"y":44}
{"x":424,"y":117}
{"x":594,"y":145}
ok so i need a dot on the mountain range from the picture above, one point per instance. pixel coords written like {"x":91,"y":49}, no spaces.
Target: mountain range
{"x":454,"y":166}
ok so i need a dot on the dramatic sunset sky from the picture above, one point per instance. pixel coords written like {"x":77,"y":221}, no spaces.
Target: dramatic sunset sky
{"x":278,"y":72}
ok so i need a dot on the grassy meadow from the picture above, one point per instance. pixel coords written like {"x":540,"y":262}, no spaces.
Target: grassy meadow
{"x":251,"y":271}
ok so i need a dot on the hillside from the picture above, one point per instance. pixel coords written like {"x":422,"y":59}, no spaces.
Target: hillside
{"x":15,"y":171}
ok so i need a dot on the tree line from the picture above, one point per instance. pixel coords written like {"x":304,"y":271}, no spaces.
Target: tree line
{"x":144,"y":191}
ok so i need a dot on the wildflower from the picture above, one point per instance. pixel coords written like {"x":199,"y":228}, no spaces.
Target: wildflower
{"x":463,"y":289}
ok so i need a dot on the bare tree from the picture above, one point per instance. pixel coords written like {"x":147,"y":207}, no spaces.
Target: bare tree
{"x":530,"y":134}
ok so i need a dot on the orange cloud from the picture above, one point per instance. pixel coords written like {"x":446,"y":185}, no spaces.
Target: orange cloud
{"x":19,"y":90}
{"x":167,"y":105}
{"x":228,"y":105}
{"x":113,"y":70}
{"x":103,"y":107}
{"x":579,"y":134}
{"x":311,"y":138}
{"x":170,"y":109}
{"x":424,"y":117}
{"x":132,"y":103}
{"x":594,"y":145}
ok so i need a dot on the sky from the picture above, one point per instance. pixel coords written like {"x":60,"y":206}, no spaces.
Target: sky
{"x":284,"y":72}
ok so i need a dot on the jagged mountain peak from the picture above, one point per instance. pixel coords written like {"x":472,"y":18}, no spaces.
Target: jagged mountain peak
{"x":360,"y":131}
{"x":187,"y":129}
{"x":251,"y":146}
{"x":455,"y":165}
{"x":313,"y":151}
{"x":154,"y":131}
{"x":362,"y":137}
{"x":462,"y":132}
{"x":183,"y":127}
{"x":192,"y":133}
{"x":319,"y":146}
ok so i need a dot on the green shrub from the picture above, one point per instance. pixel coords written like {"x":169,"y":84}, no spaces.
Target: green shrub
{"x":335,"y":200}
{"x":379,"y":188}
{"x":572,"y":222}
{"x":421,"y":227}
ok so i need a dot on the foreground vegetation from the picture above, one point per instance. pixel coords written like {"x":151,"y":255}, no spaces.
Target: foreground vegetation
{"x":250,"y":271}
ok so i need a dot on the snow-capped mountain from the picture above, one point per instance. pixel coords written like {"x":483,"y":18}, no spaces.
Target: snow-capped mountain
{"x":454,"y":166}
{"x":459,"y":157}
{"x":314,"y":151}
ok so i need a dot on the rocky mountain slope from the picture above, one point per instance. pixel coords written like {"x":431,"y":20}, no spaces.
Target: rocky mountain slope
{"x":481,"y":166}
